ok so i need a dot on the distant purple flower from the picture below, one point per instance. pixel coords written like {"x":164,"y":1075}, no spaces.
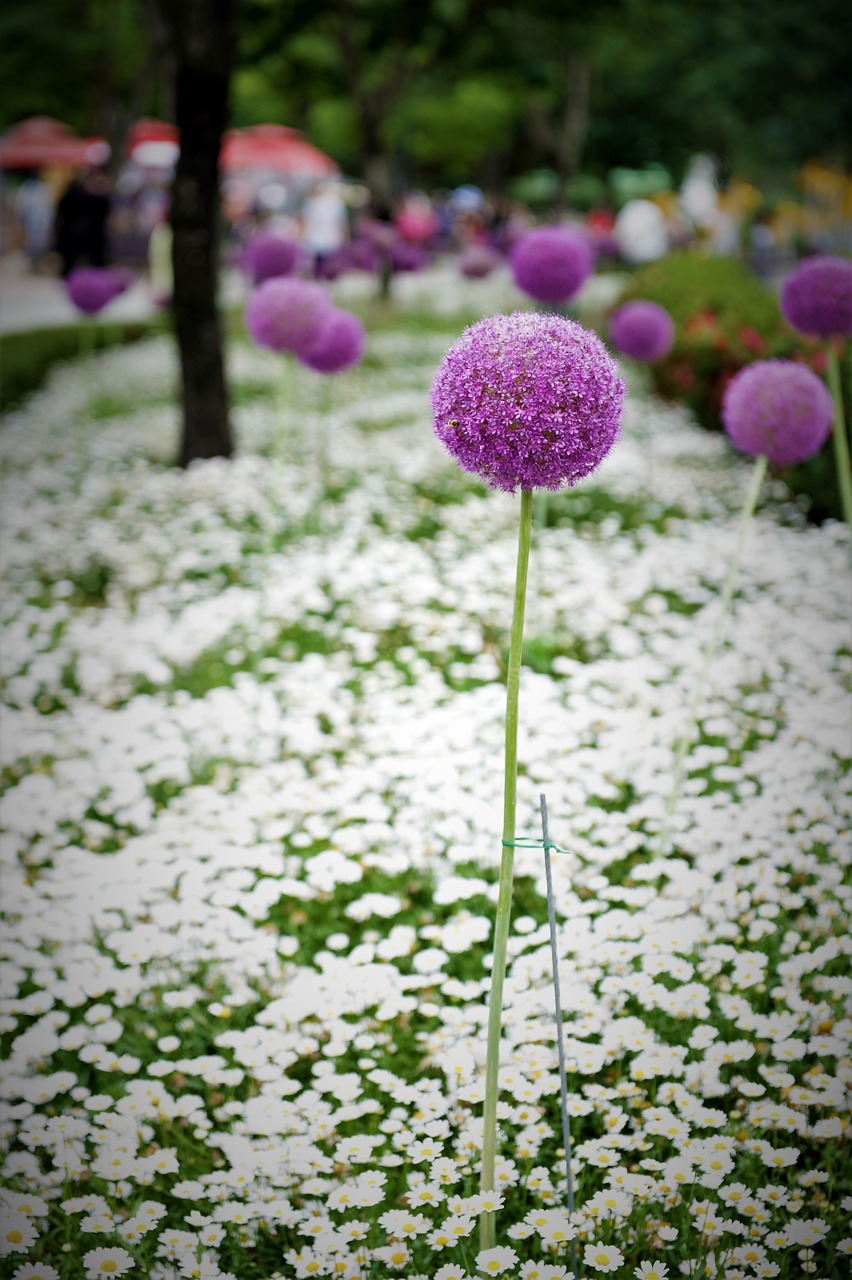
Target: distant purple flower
{"x":124,"y":278}
{"x":362,"y":254}
{"x":268,"y":255}
{"x":287,"y":314}
{"x":528,"y":401}
{"x":779,"y":408}
{"x":816,"y":296}
{"x":642,"y":330}
{"x":339,"y":345}
{"x":377,"y":232}
{"x":93,"y":288}
{"x":551,"y":263}
{"x":478,"y":260}
{"x":331,"y":266}
{"x":406,"y":256}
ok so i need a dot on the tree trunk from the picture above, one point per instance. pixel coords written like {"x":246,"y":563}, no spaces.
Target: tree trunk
{"x":201,"y":37}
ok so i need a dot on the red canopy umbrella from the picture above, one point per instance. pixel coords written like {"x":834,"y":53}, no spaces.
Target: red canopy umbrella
{"x":42,"y":142}
{"x":152,"y":143}
{"x":275,"y":148}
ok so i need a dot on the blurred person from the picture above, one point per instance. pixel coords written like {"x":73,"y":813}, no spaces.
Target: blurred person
{"x":34,"y":211}
{"x":160,"y":275}
{"x":699,"y":193}
{"x":763,"y":246}
{"x":81,"y":225}
{"x":98,"y":190}
{"x":325,"y":224}
{"x":640,"y":231}
{"x":415,"y":219}
{"x":70,"y":226}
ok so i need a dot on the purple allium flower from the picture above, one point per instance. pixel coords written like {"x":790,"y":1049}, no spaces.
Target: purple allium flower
{"x":779,"y":408}
{"x":478,"y":260}
{"x":124,"y":278}
{"x":406,"y":256}
{"x":816,"y":297}
{"x":333,"y":265}
{"x":528,"y":400}
{"x":93,"y":288}
{"x":362,"y":254}
{"x":287,"y":314}
{"x":268,"y":255}
{"x":339,"y":345}
{"x":379,"y":233}
{"x":551,"y":263}
{"x":642,"y":330}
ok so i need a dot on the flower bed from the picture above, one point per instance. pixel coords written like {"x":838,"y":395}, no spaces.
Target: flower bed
{"x":252,"y":729}
{"x":726,"y":319}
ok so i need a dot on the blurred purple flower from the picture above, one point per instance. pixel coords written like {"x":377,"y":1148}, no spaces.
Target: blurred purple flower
{"x":407,"y":256}
{"x":333,"y":265}
{"x":93,"y":288}
{"x":478,"y":260}
{"x":778,"y":408}
{"x":362,"y":254}
{"x":287,"y":314}
{"x":339,"y":345}
{"x":268,"y":255}
{"x":816,"y":297}
{"x":124,"y":278}
{"x":642,"y":330}
{"x":528,"y":400}
{"x":378,"y":233}
{"x":551,"y":263}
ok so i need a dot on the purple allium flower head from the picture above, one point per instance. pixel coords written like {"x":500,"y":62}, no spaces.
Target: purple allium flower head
{"x":779,"y":408}
{"x":287,"y":314}
{"x":333,"y":265}
{"x":124,"y":278}
{"x":339,"y":345}
{"x":642,"y":330}
{"x":407,"y":256}
{"x":362,"y":254}
{"x":551,"y":263}
{"x":528,"y":400}
{"x":268,"y":255}
{"x":93,"y":288}
{"x":478,"y":260}
{"x":816,"y":297}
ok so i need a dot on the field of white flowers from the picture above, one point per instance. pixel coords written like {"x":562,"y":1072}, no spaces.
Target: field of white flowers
{"x":251,"y":791}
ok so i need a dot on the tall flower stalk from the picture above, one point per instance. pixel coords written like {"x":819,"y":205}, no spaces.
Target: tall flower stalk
{"x":524,"y":401}
{"x":504,"y":900}
{"x":778,"y":412}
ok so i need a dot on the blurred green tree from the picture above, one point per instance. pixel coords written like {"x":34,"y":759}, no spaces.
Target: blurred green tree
{"x":91,"y":66}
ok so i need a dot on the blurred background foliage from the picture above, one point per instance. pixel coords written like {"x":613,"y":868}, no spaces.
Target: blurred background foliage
{"x":434,"y":92}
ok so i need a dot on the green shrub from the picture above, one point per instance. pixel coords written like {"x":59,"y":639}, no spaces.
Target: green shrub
{"x":725,"y":319}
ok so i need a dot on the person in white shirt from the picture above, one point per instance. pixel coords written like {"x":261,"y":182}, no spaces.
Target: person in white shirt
{"x":325,"y":226}
{"x":34,"y":210}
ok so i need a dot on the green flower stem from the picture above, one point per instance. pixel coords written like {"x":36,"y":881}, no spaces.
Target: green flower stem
{"x":841,"y":441}
{"x":504,"y":900}
{"x":758,"y":472}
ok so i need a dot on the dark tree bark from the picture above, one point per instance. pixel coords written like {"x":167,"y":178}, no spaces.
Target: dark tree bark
{"x":200,"y":36}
